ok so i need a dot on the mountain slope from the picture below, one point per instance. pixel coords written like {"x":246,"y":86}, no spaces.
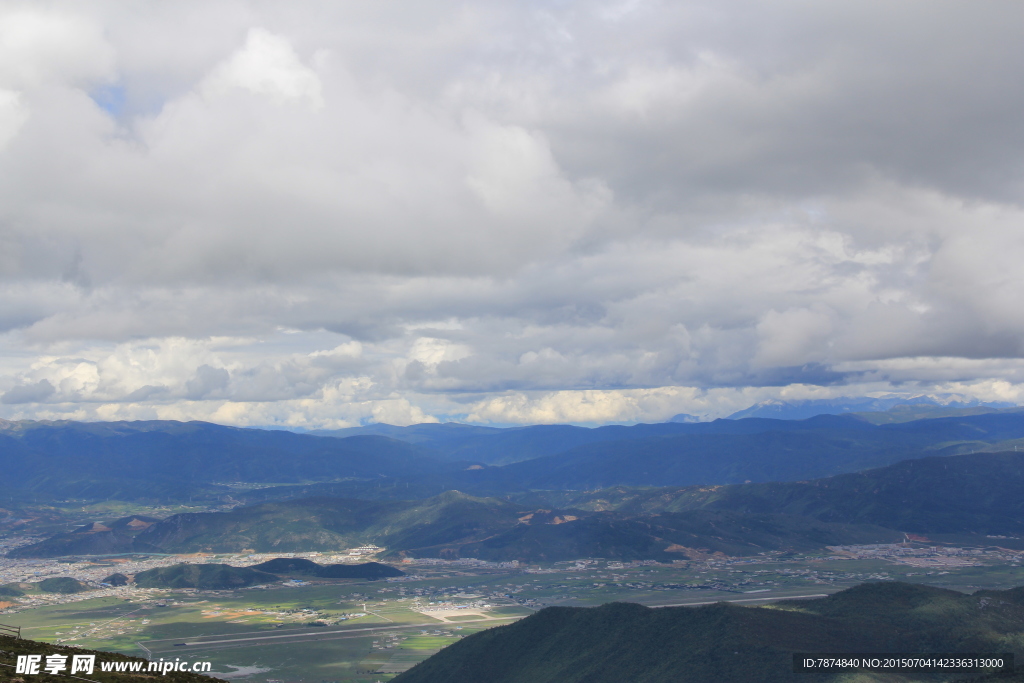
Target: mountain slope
{"x":174,"y":460}
{"x":170,"y":459}
{"x":975,"y":493}
{"x":814,"y":448}
{"x":515,"y":444}
{"x":94,"y":539}
{"x":722,"y":642}
{"x":980,"y":493}
{"x":720,"y":452}
{"x":300,"y":567}
{"x":455,"y":525}
{"x":203,"y":577}
{"x":333,"y":523}
{"x":11,"y":648}
{"x":923,"y":405}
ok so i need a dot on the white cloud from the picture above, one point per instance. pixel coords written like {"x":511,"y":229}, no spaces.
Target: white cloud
{"x":400,"y":412}
{"x":320,"y":213}
{"x":13,"y":115}
{"x":267,"y":65}
{"x":593,"y":406}
{"x":42,"y":46}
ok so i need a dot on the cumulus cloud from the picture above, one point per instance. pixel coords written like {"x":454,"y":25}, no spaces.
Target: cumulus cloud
{"x":208,"y":381}
{"x":45,"y":46}
{"x":321,"y":214}
{"x":12,"y":115}
{"x":267,"y":65}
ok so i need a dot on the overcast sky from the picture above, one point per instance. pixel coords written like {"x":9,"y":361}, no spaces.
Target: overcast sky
{"x":319,"y":214}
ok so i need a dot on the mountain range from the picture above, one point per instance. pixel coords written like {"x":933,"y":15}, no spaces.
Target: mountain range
{"x":167,"y":460}
{"x":924,"y":406}
{"x":980,"y":493}
{"x":174,"y":461}
{"x":710,"y":453}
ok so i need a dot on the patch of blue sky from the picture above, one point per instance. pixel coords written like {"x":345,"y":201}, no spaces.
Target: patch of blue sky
{"x":110,"y":98}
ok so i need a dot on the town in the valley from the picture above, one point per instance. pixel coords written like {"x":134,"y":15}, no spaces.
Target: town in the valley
{"x":357,"y":630}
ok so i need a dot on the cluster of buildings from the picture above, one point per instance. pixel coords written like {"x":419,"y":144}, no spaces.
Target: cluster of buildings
{"x":92,"y":571}
{"x":928,"y":556}
{"x":461,"y":562}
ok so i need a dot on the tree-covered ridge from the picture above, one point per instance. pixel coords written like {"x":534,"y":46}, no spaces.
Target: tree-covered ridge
{"x":224,"y":576}
{"x":980,"y":493}
{"x":455,"y":525}
{"x":202,"y":576}
{"x":975,"y":493}
{"x":724,"y":642}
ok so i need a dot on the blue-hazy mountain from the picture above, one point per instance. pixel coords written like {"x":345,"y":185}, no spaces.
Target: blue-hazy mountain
{"x":500,"y":446}
{"x":174,"y":460}
{"x":761,"y":450}
{"x":719,"y":452}
{"x":801,"y":410}
{"x":166,"y":459}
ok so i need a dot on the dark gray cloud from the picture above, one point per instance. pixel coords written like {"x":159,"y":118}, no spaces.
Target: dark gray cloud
{"x":207,"y":381}
{"x":28,"y":393}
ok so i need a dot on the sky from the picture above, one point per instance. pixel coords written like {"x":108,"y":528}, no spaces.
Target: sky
{"x":328,"y":213}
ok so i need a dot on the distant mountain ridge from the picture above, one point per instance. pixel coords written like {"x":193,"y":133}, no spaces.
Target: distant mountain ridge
{"x":803,"y":409}
{"x":707,"y":453}
{"x":173,"y":461}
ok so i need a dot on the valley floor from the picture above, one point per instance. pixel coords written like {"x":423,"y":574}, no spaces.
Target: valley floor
{"x":349,"y":632}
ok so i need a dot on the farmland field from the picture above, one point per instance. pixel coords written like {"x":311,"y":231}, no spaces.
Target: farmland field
{"x":359,"y":631}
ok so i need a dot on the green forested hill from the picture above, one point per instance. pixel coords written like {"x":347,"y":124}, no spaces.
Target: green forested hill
{"x":334,"y":523}
{"x":94,"y":539}
{"x":975,"y":493}
{"x":980,"y":493}
{"x":302,"y":567}
{"x":723,"y":642}
{"x":203,"y":576}
{"x":456,"y":525}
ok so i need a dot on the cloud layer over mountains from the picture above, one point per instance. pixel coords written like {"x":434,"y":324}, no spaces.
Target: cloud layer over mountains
{"x":316,"y":213}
